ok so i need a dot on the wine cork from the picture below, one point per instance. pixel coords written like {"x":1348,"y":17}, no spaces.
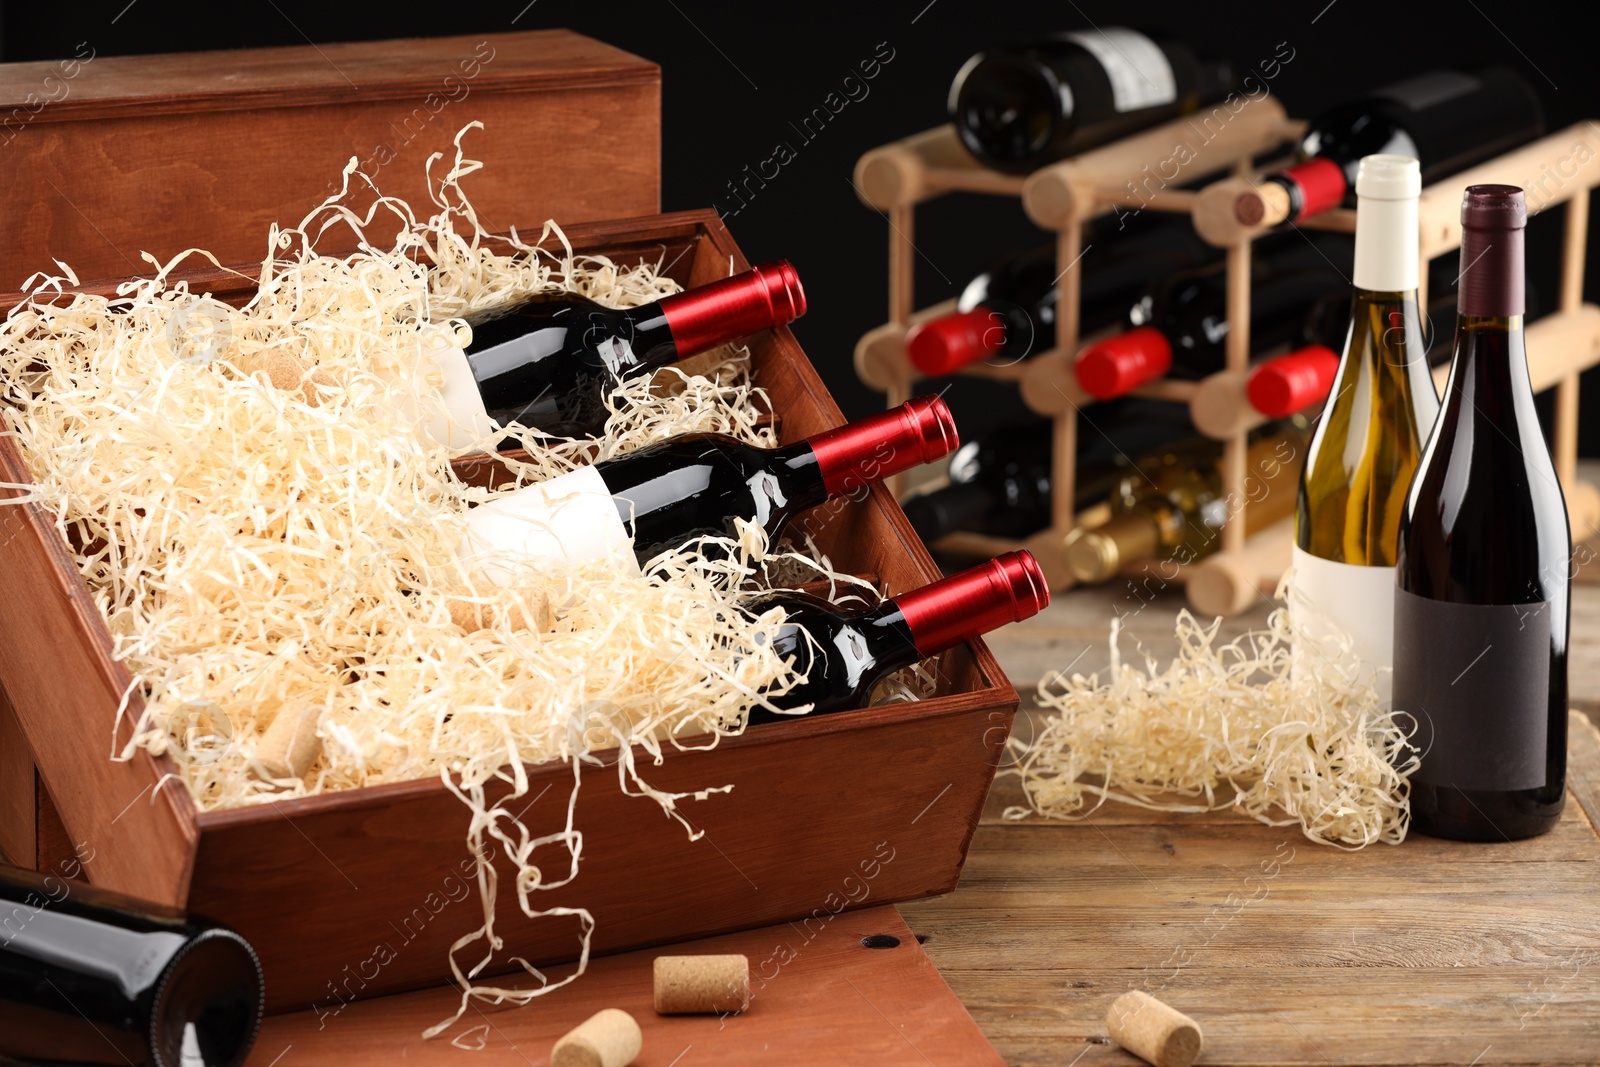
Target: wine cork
{"x":692,"y":985}
{"x":291,"y":745}
{"x":1153,"y":1031}
{"x":533,"y":611}
{"x":609,"y":1038}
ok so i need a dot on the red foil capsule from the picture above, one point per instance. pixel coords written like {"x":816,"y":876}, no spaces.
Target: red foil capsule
{"x":1293,"y":382}
{"x":1322,"y":185}
{"x":946,"y":344}
{"x":871,"y":449}
{"x":1008,"y":588}
{"x":711,"y":315}
{"x":1120,"y":364}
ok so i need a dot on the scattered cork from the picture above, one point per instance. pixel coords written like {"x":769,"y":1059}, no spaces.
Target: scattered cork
{"x":695,"y":985}
{"x":533,"y":612}
{"x":291,"y":374}
{"x":291,"y":745}
{"x":609,"y":1038}
{"x":1153,"y":1031}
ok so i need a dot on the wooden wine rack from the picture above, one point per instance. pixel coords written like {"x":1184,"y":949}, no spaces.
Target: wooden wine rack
{"x":1139,"y":172}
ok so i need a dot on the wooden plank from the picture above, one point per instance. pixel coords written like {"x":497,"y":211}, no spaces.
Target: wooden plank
{"x":819,"y":997}
{"x":18,"y":840}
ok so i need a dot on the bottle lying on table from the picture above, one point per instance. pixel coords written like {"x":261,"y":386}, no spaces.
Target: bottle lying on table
{"x":666,"y":495}
{"x":843,"y":655}
{"x":549,"y":361}
{"x":88,"y":976}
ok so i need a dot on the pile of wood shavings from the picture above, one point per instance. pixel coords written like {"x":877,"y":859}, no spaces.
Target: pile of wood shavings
{"x":1222,"y":727}
{"x":255,"y":548}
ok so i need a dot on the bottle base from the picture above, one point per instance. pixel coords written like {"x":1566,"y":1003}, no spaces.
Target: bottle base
{"x":1467,"y":815}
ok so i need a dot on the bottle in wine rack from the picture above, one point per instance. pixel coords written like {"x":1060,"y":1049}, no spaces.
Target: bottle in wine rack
{"x":668,"y":494}
{"x":1367,"y":444}
{"x":1000,"y":483}
{"x":1446,"y":119}
{"x":843,"y":655}
{"x":89,"y":976}
{"x":1179,"y":327}
{"x":1020,"y":106}
{"x":1009,"y":311}
{"x":1171,"y":506}
{"x":549,"y":361}
{"x":1482,"y":604}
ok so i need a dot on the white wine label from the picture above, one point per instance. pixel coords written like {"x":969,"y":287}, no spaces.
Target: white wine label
{"x":1476,"y":677}
{"x":1140,"y":74}
{"x":1342,"y":615}
{"x":1426,"y":90}
{"x":565,"y":521}
{"x":443,"y":398}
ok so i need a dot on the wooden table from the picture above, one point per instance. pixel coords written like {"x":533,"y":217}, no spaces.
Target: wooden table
{"x":1286,"y":952}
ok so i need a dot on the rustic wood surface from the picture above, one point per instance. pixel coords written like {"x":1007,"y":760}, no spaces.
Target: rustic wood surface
{"x":820,"y":997}
{"x":1431,"y":952}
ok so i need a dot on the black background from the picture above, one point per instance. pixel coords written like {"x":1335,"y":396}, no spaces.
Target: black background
{"x":737,"y":74}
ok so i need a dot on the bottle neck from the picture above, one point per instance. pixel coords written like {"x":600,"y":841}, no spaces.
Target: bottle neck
{"x":850,"y":458}
{"x":702,"y":318}
{"x":940,"y":616}
{"x":1492,"y":273}
{"x":1386,"y":246}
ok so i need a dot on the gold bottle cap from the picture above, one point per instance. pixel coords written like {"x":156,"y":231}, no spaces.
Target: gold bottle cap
{"x":1096,"y":555}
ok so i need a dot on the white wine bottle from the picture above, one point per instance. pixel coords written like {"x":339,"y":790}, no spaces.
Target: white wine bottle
{"x":1367,"y":444}
{"x":1483,"y":580}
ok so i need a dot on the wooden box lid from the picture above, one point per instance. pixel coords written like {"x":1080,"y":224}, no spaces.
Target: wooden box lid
{"x":111,"y":156}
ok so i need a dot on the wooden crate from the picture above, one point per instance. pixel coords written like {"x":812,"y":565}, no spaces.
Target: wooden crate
{"x":318,"y":884}
{"x":110,"y":156}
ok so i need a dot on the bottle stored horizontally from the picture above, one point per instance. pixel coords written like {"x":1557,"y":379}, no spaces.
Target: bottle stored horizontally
{"x":1000,"y":483}
{"x":1367,"y":444}
{"x":93,"y":977}
{"x":549,"y":361}
{"x":1009,"y":311}
{"x":668,"y":494}
{"x":1171,"y":506}
{"x":1179,"y":327}
{"x":1018,"y":107}
{"x":842,"y":656}
{"x":1446,"y":119}
{"x":1482,"y":602}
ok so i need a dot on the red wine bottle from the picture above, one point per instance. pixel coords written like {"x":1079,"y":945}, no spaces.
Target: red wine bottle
{"x":1482,"y":602}
{"x":1000,"y":483}
{"x":1018,"y":107}
{"x":668,"y":494}
{"x":1009,"y":311}
{"x":1179,"y":328}
{"x":89,"y":976}
{"x":843,"y":655}
{"x":1446,"y":120}
{"x":550,"y":361}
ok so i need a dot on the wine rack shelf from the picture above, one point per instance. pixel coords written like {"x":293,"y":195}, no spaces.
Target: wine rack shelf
{"x":1559,"y":169}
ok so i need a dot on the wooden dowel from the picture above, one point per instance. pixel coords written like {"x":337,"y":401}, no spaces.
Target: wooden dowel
{"x":902,"y":264}
{"x":1552,"y":170}
{"x":880,"y":356}
{"x":1154,"y":162}
{"x":1573,"y":248}
{"x":1220,"y":408}
{"x":894,"y":176}
{"x":1237,"y":348}
{"x":1229,"y":582}
{"x":1048,"y":385}
{"x":1559,"y":346}
{"x":1063,"y":471}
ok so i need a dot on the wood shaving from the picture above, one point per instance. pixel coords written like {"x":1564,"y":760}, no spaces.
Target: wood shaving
{"x":1222,"y":726}
{"x":269,"y":540}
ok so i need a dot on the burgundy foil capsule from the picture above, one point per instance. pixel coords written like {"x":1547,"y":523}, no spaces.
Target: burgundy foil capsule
{"x":758,"y":299}
{"x":1493,"y":218}
{"x":1007,"y":589}
{"x":871,"y":449}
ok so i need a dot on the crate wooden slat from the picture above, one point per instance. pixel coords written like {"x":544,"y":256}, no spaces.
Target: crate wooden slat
{"x":813,"y":797}
{"x":207,"y":149}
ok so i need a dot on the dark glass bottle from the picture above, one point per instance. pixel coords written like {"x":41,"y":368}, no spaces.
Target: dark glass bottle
{"x":550,"y":361}
{"x":1009,"y":311}
{"x":666,"y":495}
{"x":1000,"y":483}
{"x":1482,"y":602}
{"x":1021,"y":106}
{"x":843,"y":655}
{"x":1447,"y":120}
{"x":1180,"y":325}
{"x":93,"y":977}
